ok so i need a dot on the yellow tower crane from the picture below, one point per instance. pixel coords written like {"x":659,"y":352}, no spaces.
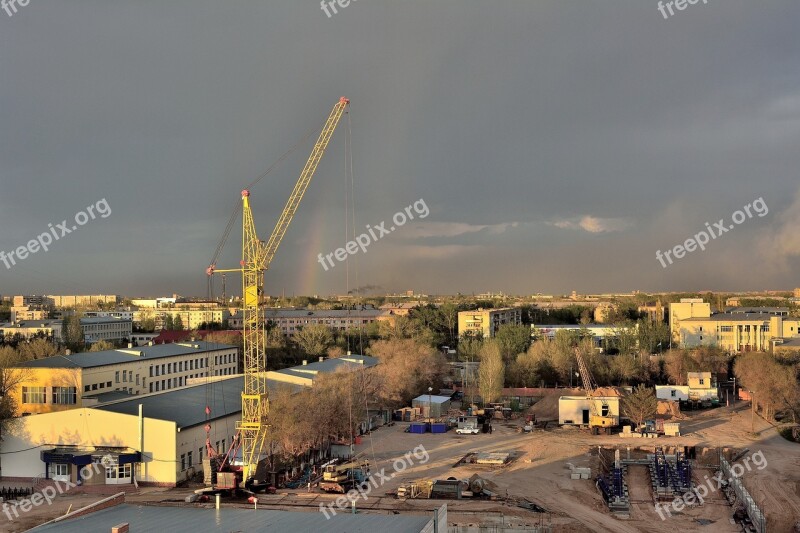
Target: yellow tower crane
{"x":256,"y":258}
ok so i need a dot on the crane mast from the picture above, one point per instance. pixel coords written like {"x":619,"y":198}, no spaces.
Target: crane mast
{"x":256,"y":259}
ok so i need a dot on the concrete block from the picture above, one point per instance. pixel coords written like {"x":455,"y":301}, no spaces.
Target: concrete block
{"x":574,"y":476}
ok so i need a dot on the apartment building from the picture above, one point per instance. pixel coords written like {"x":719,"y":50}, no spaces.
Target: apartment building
{"x":75,"y":300}
{"x":65,"y":382}
{"x":292,"y":320}
{"x":27,"y":312}
{"x":190,"y":318}
{"x":486,"y":322}
{"x":599,"y":332}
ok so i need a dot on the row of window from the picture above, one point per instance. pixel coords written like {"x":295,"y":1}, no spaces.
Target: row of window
{"x":187,"y":460}
{"x":60,"y":395}
{"x":95,"y":386}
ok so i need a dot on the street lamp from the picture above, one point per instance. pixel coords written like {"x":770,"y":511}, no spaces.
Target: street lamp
{"x":430,"y":403}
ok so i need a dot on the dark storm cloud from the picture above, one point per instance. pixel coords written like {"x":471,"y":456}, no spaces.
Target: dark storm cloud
{"x":558,"y":144}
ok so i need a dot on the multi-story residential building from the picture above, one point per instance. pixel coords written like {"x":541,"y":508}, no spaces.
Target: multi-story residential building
{"x":74,"y":300}
{"x":66,"y":382}
{"x":292,"y":320}
{"x":190,"y":318}
{"x":27,"y":312}
{"x":36,"y":302}
{"x":486,"y":322}
{"x":599,"y":332}
{"x":655,"y":312}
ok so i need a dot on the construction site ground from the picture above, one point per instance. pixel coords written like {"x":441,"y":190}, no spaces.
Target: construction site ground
{"x":541,"y":475}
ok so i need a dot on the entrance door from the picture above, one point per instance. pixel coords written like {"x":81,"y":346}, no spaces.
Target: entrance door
{"x":59,"y":472}
{"x":585,"y":416}
{"x":118,"y":474}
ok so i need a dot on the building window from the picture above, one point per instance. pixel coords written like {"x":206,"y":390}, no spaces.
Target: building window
{"x":151,"y":371}
{"x":116,"y":376}
{"x":673,"y":393}
{"x":189,"y":459}
{"x":183,"y":462}
{"x":108,"y":384}
{"x":64,"y":396}
{"x":137,"y":379}
{"x":94,"y":387}
{"x":151,"y":387}
{"x":34,"y":394}
{"x":702,"y":381}
{"x":86,"y":388}
{"x":200,"y":454}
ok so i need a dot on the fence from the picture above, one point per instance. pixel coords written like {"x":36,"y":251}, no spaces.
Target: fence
{"x":755,"y":514}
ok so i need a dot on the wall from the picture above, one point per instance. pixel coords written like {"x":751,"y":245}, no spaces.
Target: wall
{"x":48,"y":378}
{"x":664,"y":392}
{"x":571,"y":408}
{"x":194,"y":438}
{"x":84,"y":427}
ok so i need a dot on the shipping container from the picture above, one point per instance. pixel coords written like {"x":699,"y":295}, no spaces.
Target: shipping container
{"x":439,"y":428}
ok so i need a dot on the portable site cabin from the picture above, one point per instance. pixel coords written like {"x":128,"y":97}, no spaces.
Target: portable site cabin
{"x":432,"y":406}
{"x":576,"y":410}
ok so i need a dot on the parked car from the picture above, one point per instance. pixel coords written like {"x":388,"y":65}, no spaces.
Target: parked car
{"x":468,"y":430}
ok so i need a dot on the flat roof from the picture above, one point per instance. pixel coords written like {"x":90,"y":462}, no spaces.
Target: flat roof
{"x":193,"y":519}
{"x":329,"y":365}
{"x":123,"y":355}
{"x":433,"y":398}
{"x":185,"y":406}
{"x":732,"y":317}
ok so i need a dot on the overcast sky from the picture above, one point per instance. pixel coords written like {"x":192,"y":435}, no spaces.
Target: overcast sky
{"x":558,"y":145}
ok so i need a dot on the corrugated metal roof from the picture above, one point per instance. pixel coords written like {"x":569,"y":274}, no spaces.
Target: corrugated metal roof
{"x":191,"y":519}
{"x":186,"y":406}
{"x":423,"y":398}
{"x":124,"y":355}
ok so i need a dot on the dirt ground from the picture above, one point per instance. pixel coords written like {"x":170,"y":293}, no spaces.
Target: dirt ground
{"x":541,"y":475}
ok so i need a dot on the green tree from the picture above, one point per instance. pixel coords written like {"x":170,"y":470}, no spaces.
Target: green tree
{"x":72,"y":333}
{"x":169,"y":322}
{"x":491,"y":372}
{"x":314,"y":339}
{"x":513,"y":339}
{"x":177,"y":323}
{"x":640,"y":405}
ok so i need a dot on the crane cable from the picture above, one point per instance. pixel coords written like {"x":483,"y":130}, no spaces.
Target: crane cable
{"x":228,"y":228}
{"x":238,"y":207}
